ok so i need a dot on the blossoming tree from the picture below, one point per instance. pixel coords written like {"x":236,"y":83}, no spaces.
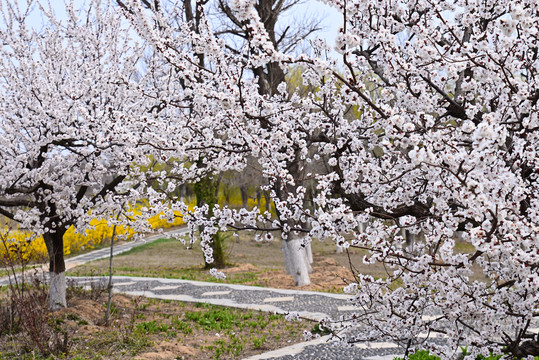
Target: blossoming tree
{"x":72,"y":123}
{"x":430,"y":124}
{"x":230,"y":60}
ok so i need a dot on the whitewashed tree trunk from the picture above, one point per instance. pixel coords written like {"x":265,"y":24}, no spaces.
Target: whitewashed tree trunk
{"x":410,"y":240}
{"x":309,"y":255}
{"x":287,"y":260}
{"x":299,"y":261}
{"x":458,"y":236}
{"x":57,"y":291}
{"x":57,"y":279}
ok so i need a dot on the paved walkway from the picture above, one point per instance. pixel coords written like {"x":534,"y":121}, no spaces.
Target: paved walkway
{"x":308,"y":304}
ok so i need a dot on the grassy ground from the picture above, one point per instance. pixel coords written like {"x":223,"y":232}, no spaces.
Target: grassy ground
{"x":250,"y":262}
{"x":141,"y":328}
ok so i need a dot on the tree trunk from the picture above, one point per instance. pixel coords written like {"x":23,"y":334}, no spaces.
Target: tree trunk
{"x":287,"y":260}
{"x":217,"y":185}
{"x":205,"y":194}
{"x":182,"y":192}
{"x":309,"y":256}
{"x":226,"y":193}
{"x":409,"y":240}
{"x":57,"y":286}
{"x":244,"y":196}
{"x":307,"y":202}
{"x":258,"y":198}
{"x":268,"y":200}
{"x":298,"y":257}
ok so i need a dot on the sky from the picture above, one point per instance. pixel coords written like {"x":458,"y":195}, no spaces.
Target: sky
{"x":331,"y":19}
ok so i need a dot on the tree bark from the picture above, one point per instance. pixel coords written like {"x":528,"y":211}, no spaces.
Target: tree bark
{"x":57,"y":286}
{"x":309,"y":255}
{"x":205,"y":194}
{"x":244,"y":196}
{"x":287,"y":260}
{"x":300,"y":268}
{"x":267,"y":197}
{"x":258,"y":197}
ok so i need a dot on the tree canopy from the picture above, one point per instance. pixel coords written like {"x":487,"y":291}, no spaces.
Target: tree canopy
{"x":428,"y":122}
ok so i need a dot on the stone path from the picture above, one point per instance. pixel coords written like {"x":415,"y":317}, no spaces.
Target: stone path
{"x":307,"y":304}
{"x":310,"y":305}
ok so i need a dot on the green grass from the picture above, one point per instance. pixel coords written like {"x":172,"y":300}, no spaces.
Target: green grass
{"x":151,"y":327}
{"x":464,"y":248}
{"x":258,"y":342}
{"x":420,"y":355}
{"x":197,"y":273}
{"x":182,"y":326}
{"x":219,"y":319}
{"x":149,"y":246}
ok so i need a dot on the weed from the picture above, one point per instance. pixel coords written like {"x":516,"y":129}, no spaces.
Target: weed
{"x":273,"y":317}
{"x":252,"y":324}
{"x":258,"y":342}
{"x":263,"y":324}
{"x":420,"y":355}
{"x":202,"y":305}
{"x":72,"y":317}
{"x":214,"y":319}
{"x":28,"y":303}
{"x":151,"y":327}
{"x":113,"y":309}
{"x":94,"y":292}
{"x":182,"y":326}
